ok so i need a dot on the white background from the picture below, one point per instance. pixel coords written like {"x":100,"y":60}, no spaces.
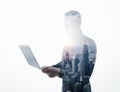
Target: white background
{"x":39,"y":23}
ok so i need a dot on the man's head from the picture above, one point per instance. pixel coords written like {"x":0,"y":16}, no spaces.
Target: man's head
{"x":72,"y":19}
{"x":72,"y":23}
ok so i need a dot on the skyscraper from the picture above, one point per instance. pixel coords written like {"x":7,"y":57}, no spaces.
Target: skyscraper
{"x":84,"y":64}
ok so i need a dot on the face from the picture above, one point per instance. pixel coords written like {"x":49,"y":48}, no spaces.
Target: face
{"x":72,"y":21}
{"x":71,"y":24}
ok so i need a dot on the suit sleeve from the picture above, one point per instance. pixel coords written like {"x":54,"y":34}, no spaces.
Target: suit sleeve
{"x":59,"y":65}
{"x":92,"y":59}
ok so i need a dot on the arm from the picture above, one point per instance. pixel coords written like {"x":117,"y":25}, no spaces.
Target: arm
{"x":59,"y":65}
{"x":92,"y":58}
{"x":53,"y":71}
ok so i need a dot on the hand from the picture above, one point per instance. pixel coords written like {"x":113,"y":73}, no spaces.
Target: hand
{"x":51,"y":75}
{"x":51,"y":71}
{"x":45,"y":69}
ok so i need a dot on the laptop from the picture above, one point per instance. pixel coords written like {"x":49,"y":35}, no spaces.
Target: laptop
{"x":27,"y":52}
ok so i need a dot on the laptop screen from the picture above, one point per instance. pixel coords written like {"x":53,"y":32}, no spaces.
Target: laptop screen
{"x":27,"y":52}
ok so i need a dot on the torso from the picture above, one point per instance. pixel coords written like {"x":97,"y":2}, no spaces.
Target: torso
{"x":75,"y":50}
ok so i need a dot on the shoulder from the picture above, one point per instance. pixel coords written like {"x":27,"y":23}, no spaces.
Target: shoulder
{"x":91,"y":44}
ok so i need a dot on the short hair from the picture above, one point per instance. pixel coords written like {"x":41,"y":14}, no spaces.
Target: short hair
{"x":72,"y":13}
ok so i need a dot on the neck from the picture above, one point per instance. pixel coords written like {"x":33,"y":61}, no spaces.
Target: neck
{"x":74,"y":28}
{"x":75,"y":33}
